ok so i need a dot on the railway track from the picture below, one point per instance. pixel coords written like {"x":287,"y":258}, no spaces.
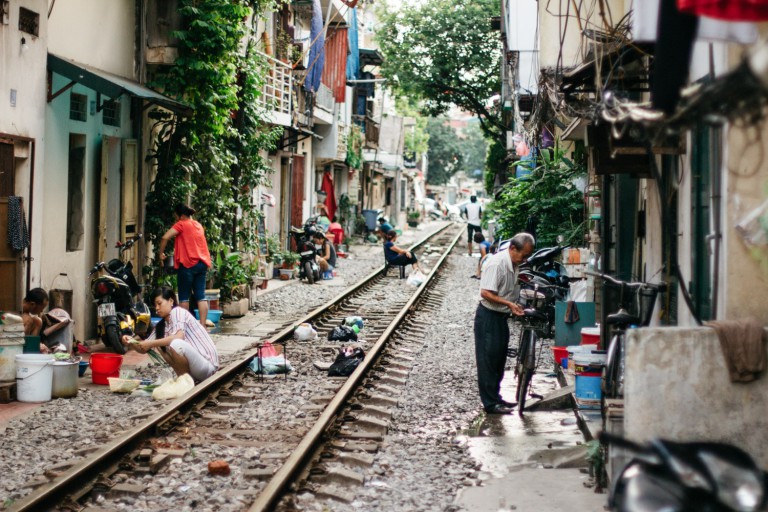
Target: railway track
{"x":278,"y":437}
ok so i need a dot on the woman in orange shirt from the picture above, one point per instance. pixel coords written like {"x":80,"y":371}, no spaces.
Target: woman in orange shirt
{"x":191,"y":258}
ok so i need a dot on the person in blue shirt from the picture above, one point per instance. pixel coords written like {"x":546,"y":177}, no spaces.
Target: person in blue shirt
{"x":485,"y":250}
{"x":397,"y":256}
{"x":384,"y":228}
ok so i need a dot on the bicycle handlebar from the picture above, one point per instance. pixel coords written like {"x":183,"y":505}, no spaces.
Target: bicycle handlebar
{"x":657,"y":286}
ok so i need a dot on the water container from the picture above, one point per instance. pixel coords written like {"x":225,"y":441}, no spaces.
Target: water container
{"x":104,"y":366}
{"x":34,"y":377}
{"x":65,"y":379}
{"x":590,"y":335}
{"x":11,"y":344}
{"x":588,"y":367}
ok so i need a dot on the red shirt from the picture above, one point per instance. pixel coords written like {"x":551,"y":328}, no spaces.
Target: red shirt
{"x":190,"y":246}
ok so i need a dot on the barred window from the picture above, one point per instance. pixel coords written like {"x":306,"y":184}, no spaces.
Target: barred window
{"x":112,"y":112}
{"x":78,"y":103}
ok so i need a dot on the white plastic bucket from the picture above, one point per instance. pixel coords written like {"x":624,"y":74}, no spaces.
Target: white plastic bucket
{"x":34,"y":377}
{"x":11,"y":345}
{"x":65,"y":379}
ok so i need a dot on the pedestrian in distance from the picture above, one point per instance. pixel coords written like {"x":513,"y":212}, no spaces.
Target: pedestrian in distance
{"x":485,"y":250}
{"x":183,"y":343}
{"x":191,"y":258}
{"x":498,"y":291}
{"x":32,"y":306}
{"x":473,"y":212}
{"x":397,"y":256}
{"x":326,"y":254}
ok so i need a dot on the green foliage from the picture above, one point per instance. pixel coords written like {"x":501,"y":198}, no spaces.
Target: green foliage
{"x":474,"y":149}
{"x":494,"y":164}
{"x":445,"y":157}
{"x":548,"y":195}
{"x":273,"y":246}
{"x":230,"y":271}
{"x":355,"y":147}
{"x":212,"y":158}
{"x":444,"y":53}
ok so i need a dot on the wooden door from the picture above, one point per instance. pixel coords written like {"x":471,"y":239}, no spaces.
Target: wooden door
{"x":297,"y":191}
{"x":129,"y":212}
{"x":10,"y":261}
{"x":109,"y":198}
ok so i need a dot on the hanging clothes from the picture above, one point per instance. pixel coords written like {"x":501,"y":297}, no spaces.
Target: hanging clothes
{"x":317,"y":50}
{"x":330,"y":196}
{"x":674,"y":48}
{"x":646,"y":23}
{"x":353,"y":59}
{"x":731,"y":10}
{"x":18,"y":235}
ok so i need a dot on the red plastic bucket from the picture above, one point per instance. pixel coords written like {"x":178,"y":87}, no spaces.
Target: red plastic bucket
{"x":590,"y":335}
{"x":559,"y":353}
{"x":104,"y":366}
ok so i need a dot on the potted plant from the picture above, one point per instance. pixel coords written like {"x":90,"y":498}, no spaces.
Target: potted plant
{"x":231,"y":276}
{"x":273,"y":249}
{"x":413,"y":218}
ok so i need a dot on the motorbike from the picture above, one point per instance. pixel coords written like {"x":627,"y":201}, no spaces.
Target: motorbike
{"x":542,"y":271}
{"x":695,"y":476}
{"x":117,"y":294}
{"x":302,"y":238}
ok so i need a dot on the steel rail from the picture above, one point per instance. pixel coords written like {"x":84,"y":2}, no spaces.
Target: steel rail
{"x":49,"y":495}
{"x":268,"y":498}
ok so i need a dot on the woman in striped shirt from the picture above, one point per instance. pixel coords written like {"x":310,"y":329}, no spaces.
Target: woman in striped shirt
{"x":183,"y":342}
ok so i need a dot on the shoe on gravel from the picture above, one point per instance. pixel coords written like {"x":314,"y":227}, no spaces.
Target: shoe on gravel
{"x":498,"y":409}
{"x":509,"y":404}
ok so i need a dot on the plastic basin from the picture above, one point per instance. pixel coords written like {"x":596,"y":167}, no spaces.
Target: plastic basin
{"x":214,"y":315}
{"x":104,"y":366}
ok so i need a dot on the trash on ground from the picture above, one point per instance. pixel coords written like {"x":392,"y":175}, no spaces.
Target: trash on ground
{"x":346,"y":361}
{"x":305,"y":332}
{"x":342,"y":333}
{"x":352,"y":321}
{"x":416,"y":278}
{"x":173,"y":388}
{"x":270,"y":365}
{"x":118,"y":385}
{"x":219,"y":467}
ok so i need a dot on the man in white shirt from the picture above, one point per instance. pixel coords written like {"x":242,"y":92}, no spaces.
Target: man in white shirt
{"x":473,"y":213}
{"x":498,"y":293}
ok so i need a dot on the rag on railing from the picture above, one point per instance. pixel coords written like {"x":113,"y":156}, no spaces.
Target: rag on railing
{"x":18,"y":235}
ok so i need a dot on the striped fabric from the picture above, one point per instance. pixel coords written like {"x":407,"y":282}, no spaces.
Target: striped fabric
{"x":182,"y":320}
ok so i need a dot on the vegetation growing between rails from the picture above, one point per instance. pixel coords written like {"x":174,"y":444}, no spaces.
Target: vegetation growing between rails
{"x":547,"y":195}
{"x":212,"y":158}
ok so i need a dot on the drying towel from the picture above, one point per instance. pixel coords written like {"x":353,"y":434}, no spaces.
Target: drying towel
{"x":743,"y":345}
{"x":571,"y":313}
{"x":18,"y":236}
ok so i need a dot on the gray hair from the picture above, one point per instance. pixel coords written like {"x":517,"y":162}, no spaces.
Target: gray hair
{"x":520,"y":240}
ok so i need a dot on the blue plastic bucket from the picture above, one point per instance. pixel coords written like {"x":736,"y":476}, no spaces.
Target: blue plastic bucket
{"x":588,"y":392}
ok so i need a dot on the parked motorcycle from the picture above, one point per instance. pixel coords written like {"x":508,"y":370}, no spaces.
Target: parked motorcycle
{"x":542,"y":271}
{"x":302,"y":238}
{"x":697,"y":476}
{"x":117,"y":294}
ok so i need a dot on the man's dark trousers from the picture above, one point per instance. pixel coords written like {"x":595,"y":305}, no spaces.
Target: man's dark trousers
{"x":491,"y":343}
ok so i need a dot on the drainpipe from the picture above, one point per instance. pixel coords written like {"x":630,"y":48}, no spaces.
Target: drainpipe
{"x":31,"y":203}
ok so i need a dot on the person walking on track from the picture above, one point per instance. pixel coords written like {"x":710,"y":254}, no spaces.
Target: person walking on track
{"x":473,"y":213}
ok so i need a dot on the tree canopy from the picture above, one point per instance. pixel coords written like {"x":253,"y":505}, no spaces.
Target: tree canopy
{"x":445,"y":157}
{"x":444,"y":53}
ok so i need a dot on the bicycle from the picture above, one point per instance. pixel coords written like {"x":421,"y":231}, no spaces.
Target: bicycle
{"x":532,"y":321}
{"x":612,"y":381}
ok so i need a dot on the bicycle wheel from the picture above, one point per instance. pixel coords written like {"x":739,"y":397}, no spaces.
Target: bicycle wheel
{"x":525,"y":372}
{"x":611,"y":371}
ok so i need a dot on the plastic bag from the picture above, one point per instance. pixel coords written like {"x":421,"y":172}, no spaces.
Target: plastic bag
{"x":346,"y":362}
{"x":577,"y":292}
{"x":342,"y":333}
{"x":270,"y":365}
{"x":173,"y":388}
{"x":351,"y":321}
{"x":416,"y":278}
{"x":305,"y":332}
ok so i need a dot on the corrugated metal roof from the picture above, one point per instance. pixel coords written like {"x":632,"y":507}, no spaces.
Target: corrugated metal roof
{"x":335,"y":70}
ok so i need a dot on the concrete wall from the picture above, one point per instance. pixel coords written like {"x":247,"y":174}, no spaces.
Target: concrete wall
{"x":95,"y":32}
{"x":678,"y":388}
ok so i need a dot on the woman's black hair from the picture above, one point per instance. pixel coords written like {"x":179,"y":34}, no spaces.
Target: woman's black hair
{"x":184,"y":209}
{"x":36,"y":296}
{"x":167,"y":293}
{"x":391,"y":234}
{"x":478,"y":237}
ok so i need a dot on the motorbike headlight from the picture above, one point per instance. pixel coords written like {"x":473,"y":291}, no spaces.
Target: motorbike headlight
{"x":738,"y":487}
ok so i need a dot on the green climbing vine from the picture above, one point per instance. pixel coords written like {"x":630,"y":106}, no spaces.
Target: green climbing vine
{"x":213,"y":157}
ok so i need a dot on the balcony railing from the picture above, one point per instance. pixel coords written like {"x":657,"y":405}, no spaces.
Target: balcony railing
{"x":278,"y":86}
{"x":371,"y":130}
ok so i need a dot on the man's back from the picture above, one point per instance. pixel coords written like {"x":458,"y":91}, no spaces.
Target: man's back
{"x":473,"y":211}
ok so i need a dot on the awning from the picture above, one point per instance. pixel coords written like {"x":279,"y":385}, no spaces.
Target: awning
{"x":369,"y":57}
{"x":110,"y":85}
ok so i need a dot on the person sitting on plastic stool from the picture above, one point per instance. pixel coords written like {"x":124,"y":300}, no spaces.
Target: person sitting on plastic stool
{"x":326,"y":254}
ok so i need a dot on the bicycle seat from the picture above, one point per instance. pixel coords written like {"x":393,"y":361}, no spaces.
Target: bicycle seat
{"x":534,"y":314}
{"x":622,"y":318}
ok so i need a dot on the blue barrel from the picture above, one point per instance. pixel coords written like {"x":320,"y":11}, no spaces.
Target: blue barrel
{"x":370,"y":217}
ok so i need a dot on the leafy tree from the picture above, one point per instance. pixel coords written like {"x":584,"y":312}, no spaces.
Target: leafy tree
{"x":444,"y":53}
{"x":444,"y":153}
{"x":416,"y":140}
{"x":212,"y":155}
{"x":474,"y":148}
{"x":547,"y":195}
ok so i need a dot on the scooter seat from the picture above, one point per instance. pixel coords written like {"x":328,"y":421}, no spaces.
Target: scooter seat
{"x":622,"y":318}
{"x":296,"y":230}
